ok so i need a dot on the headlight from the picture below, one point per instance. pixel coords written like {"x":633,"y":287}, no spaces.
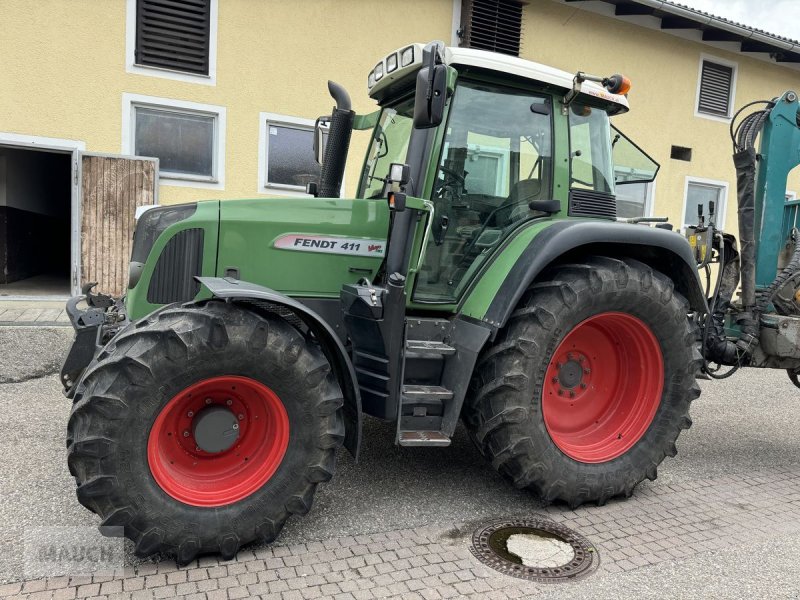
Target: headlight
{"x":391,"y":63}
{"x":407,"y":56}
{"x":378,"y":71}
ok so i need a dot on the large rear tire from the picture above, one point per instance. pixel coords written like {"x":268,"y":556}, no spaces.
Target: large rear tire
{"x":203,"y":428}
{"x":585,"y":391}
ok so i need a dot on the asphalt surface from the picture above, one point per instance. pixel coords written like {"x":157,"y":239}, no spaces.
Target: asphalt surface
{"x":744,"y":425}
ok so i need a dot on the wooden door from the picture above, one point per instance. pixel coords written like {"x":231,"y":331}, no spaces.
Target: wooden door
{"x":112,"y":187}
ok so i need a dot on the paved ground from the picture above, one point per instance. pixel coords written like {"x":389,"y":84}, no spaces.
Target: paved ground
{"x":16,"y":313}
{"x":722,"y":520}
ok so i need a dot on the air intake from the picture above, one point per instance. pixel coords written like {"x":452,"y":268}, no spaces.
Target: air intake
{"x":180,"y":262}
{"x":590,"y":203}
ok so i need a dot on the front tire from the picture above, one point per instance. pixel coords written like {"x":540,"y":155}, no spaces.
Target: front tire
{"x":203,"y":428}
{"x":585,"y":391}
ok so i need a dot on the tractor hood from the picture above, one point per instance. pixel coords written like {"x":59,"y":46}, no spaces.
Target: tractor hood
{"x":302,"y":246}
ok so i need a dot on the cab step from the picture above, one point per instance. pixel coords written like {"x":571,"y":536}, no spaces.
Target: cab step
{"x":425,"y":392}
{"x":429,"y":348}
{"x":423,"y":438}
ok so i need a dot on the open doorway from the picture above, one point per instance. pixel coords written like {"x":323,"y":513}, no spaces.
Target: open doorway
{"x":35,"y":222}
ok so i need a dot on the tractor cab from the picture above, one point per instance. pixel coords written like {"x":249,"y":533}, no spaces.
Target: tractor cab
{"x":466,"y":159}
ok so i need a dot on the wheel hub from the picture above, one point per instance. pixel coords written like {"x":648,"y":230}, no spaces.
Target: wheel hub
{"x":215,"y":429}
{"x":570,"y":374}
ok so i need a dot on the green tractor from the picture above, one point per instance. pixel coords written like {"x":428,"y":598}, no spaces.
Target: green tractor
{"x":481,"y":274}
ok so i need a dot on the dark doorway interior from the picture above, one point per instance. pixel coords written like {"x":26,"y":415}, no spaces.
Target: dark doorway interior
{"x":35,"y":203}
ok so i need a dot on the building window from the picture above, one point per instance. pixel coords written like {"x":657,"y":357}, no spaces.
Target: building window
{"x":287,"y":161}
{"x":715,"y":88}
{"x":702,"y":192}
{"x":175,"y":39}
{"x":186,"y":137}
{"x":635,"y":200}
{"x":494,"y":25}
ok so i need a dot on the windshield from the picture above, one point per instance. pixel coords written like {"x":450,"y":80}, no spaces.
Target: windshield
{"x":591,"y":167}
{"x":389,"y":145}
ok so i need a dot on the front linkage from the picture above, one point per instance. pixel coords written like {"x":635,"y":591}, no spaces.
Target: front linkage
{"x":94,"y":326}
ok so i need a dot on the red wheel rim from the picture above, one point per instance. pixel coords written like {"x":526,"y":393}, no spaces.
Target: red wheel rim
{"x":200,"y":478}
{"x":602,"y":387}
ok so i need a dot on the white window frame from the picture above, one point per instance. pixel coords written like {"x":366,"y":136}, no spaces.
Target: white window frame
{"x":130,"y":50}
{"x":265,"y":119}
{"x":731,"y":103}
{"x":649,"y":199}
{"x":721,"y":212}
{"x":131,"y":101}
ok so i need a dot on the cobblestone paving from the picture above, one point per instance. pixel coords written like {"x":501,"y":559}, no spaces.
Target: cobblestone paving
{"x":658,"y":524}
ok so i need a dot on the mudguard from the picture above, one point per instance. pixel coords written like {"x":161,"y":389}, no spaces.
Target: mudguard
{"x":232,"y":289}
{"x":663,"y":250}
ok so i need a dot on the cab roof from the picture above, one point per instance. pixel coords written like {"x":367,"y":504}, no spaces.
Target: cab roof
{"x":490,"y":61}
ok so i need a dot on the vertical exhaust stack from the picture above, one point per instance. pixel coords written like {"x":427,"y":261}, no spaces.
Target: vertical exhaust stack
{"x":341,"y":128}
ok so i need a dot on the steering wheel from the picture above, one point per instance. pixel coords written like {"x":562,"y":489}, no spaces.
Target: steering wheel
{"x":452,"y":179}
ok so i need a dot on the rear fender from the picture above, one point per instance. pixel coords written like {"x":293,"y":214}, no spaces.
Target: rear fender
{"x":570,"y":240}
{"x":234,"y":290}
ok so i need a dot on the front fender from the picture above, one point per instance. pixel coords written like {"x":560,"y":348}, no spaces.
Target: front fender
{"x":500,"y":287}
{"x":232,"y":289}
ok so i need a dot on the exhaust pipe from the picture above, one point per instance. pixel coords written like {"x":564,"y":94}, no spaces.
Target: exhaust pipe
{"x":341,"y":128}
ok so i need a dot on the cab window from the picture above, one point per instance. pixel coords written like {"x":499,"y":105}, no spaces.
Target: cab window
{"x":496,"y":159}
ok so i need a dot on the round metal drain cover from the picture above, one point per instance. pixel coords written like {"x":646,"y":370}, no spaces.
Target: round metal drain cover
{"x":490,"y":546}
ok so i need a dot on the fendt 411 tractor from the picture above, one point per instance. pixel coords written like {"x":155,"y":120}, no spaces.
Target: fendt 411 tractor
{"x":481,"y":274}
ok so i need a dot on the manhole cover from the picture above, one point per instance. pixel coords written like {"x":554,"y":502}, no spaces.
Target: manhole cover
{"x":534,"y":549}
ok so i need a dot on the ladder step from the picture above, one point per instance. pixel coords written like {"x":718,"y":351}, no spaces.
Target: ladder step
{"x":418,"y":392}
{"x":429,"y":347}
{"x":423,"y":438}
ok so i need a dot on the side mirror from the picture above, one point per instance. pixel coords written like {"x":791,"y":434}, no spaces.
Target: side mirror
{"x":321,"y":129}
{"x":430,"y":96}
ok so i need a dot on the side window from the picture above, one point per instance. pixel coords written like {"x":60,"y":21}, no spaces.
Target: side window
{"x":590,"y":163}
{"x":496,"y":159}
{"x":634,"y":173}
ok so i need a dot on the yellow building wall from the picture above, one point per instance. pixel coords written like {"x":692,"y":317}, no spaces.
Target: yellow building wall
{"x":62,"y":70}
{"x":62,"y":75}
{"x":664,"y":70}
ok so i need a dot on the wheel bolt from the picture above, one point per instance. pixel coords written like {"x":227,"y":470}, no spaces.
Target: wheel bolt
{"x":228,"y":401}
{"x":558,"y":365}
{"x":241,"y":416}
{"x":190,"y":414}
{"x":569,"y":355}
{"x":236,"y":426}
{"x":555,"y":380}
{"x":580,"y":359}
{"x":185,"y":434}
{"x":197,"y":448}
{"x":208,"y":400}
{"x":560,"y":392}
{"x":572,"y":394}
{"x":583,"y":386}
{"x":587,"y":371}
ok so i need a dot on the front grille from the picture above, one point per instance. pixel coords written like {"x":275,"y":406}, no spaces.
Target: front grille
{"x":180,"y":262}
{"x":591,"y":203}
